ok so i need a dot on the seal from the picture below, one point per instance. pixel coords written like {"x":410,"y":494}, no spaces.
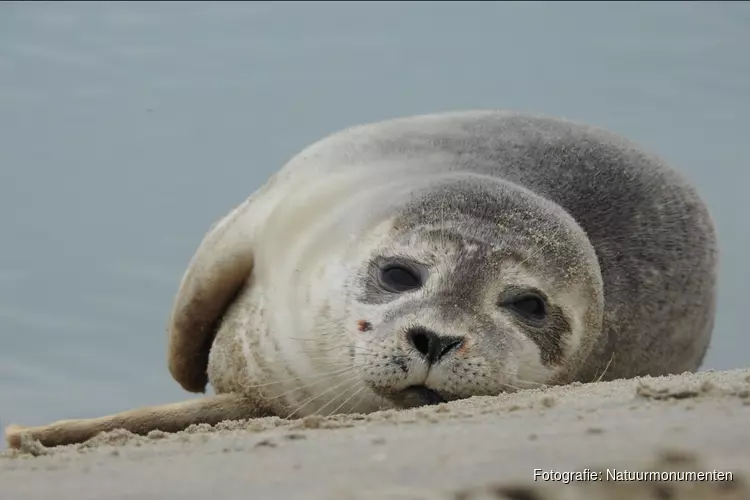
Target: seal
{"x":433,"y":258}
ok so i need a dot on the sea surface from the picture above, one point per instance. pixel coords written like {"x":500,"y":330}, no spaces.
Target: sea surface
{"x":127,"y":128}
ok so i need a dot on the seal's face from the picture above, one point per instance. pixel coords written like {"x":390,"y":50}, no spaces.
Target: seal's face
{"x":462,"y":306}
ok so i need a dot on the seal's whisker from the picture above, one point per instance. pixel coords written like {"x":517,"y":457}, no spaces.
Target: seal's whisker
{"x":339,"y":395}
{"x":529,"y":382}
{"x":364,"y":354}
{"x":383,"y":402}
{"x":359,"y":350}
{"x":604,"y":372}
{"x":314,"y":397}
{"x":301,"y":387}
{"x":296,"y":379}
{"x":341,"y":347}
{"x":362,"y":388}
{"x":517,"y":388}
{"x":359,"y":400}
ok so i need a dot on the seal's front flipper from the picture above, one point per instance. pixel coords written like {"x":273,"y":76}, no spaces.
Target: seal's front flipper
{"x":216,"y":274}
{"x":168,"y":418}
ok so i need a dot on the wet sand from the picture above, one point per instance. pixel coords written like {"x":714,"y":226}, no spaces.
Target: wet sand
{"x":480,"y":448}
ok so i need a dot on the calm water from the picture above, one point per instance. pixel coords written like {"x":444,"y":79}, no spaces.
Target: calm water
{"x":126,"y":129}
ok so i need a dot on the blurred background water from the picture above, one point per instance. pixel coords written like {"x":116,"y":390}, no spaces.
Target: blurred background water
{"x":126,"y":129}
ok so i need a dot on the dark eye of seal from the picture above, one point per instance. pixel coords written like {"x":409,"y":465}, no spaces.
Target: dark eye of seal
{"x":529,"y":306}
{"x":399,"y":278}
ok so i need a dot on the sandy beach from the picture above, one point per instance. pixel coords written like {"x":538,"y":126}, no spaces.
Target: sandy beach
{"x":480,"y":448}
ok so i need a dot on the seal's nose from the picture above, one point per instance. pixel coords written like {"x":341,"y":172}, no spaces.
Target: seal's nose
{"x":431,"y":345}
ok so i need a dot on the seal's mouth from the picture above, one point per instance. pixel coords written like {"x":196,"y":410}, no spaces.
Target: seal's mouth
{"x":417,"y":395}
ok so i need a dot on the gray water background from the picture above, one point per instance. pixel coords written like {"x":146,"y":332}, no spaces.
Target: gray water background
{"x":126,"y":129}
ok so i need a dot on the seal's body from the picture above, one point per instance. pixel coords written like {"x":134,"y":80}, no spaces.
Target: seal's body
{"x":437,"y":257}
{"x":620,"y":249}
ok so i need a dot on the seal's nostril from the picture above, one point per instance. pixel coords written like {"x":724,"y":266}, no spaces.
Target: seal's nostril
{"x":431,"y":345}
{"x":421,"y":339}
{"x":448,"y":344}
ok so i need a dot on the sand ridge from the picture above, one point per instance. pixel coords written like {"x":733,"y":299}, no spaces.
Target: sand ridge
{"x":462,"y":449}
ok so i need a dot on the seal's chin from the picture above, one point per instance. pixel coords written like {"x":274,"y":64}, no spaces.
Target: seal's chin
{"x":416,"y":395}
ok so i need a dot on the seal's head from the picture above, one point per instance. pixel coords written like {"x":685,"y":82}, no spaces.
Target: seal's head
{"x":456,"y":285}
{"x":478,"y":287}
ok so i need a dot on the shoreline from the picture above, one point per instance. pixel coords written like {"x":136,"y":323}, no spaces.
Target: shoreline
{"x":689,"y":422}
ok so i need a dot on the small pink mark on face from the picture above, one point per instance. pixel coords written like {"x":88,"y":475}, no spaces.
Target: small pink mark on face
{"x":364,"y":326}
{"x":463,"y":347}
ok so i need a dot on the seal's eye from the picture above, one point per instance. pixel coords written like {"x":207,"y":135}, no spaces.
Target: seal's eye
{"x":399,"y":278}
{"x":529,"y":305}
